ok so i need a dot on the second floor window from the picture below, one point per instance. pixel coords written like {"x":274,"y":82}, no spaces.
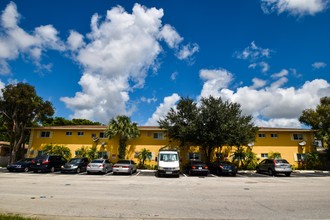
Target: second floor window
{"x":80,"y":133}
{"x":274,"y":135}
{"x":45,"y":134}
{"x":102,"y":135}
{"x":159,"y":135}
{"x":68,"y":133}
{"x":298,"y":137}
{"x":262,"y":135}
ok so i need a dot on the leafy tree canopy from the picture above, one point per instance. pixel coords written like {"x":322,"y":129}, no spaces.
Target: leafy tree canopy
{"x":21,"y":107}
{"x":211,"y":125}
{"x":319,"y":119}
{"x":60,"y":121}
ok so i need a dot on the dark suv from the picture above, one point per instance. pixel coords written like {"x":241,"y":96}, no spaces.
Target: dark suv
{"x":47,"y":163}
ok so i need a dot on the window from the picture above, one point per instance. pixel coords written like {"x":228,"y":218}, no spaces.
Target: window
{"x":102,"y":135}
{"x":194,"y":156}
{"x":148,"y":134}
{"x":45,"y":134}
{"x":264,"y":155}
{"x":68,"y":133}
{"x":103,"y":154}
{"x":300,"y":157}
{"x":274,"y":135}
{"x":93,"y":135}
{"x":298,"y":137}
{"x":80,"y":133}
{"x":77,"y":152}
{"x":262,"y":135}
{"x":158,"y":135}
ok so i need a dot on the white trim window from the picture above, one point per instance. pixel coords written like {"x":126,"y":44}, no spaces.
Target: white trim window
{"x":299,"y":157}
{"x":261,"y":135}
{"x":68,"y":133}
{"x":45,"y":134}
{"x":80,"y":133}
{"x":274,"y":135}
{"x":102,"y":135}
{"x":298,"y":137}
{"x":264,"y":155}
{"x":159,"y":136}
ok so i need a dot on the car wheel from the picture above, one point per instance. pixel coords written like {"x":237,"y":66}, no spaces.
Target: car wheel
{"x":26,"y":169}
{"x":52,"y":169}
{"x":287,"y":174}
{"x":88,"y":172}
{"x":218,"y":172}
{"x":270,"y":172}
{"x":78,"y":170}
{"x":131,"y":172}
{"x":258,"y":170}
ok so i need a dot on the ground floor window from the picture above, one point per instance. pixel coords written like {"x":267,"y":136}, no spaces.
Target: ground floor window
{"x":104,"y":154}
{"x":264,"y":155}
{"x":299,"y":157}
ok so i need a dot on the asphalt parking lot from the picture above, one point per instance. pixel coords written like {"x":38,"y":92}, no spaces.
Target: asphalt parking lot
{"x":243,"y":173}
{"x":304,"y":195}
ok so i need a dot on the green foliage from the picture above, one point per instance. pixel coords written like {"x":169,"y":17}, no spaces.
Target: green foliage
{"x":125,"y":129}
{"x":312,"y":161}
{"x":274,"y":155}
{"x":58,"y":150}
{"x":319,"y":119}
{"x":211,"y":125}
{"x":15,"y":217}
{"x":20,"y":107}
{"x":144,"y":155}
{"x":83,"y":151}
{"x":245,"y":158}
{"x":92,"y":152}
{"x":60,"y":121}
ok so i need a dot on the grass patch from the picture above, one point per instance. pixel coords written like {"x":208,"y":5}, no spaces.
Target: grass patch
{"x":15,"y":217}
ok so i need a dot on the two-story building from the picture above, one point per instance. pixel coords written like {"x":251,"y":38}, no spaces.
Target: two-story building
{"x":291,"y":144}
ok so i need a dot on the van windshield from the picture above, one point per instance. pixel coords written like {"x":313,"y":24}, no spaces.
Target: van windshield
{"x":168,"y":157}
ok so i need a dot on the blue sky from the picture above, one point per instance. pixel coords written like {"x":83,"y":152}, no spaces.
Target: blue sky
{"x":99,"y":59}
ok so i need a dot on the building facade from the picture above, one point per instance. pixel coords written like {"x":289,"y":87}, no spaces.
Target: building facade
{"x":291,"y":144}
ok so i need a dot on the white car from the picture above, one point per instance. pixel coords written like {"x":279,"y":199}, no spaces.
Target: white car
{"x":124,"y":166}
{"x":99,"y":166}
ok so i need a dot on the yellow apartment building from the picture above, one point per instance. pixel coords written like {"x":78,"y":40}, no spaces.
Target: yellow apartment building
{"x":292,"y":144}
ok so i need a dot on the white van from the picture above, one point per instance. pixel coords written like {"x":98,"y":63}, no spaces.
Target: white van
{"x":168,"y":162}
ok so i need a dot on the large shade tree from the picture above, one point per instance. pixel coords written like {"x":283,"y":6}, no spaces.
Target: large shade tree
{"x":20,"y":107}
{"x":211,"y":125}
{"x":122,"y":127}
{"x":319,"y":119}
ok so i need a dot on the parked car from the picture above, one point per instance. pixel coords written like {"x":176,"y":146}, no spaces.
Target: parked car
{"x":99,"y":166}
{"x":223,"y":168}
{"x":21,"y":165}
{"x":47,"y":163}
{"x":124,"y":166}
{"x":75,"y":165}
{"x":274,"y":166}
{"x":196,"y":167}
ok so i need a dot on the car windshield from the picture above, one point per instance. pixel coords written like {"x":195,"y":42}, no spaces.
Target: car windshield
{"x":168,"y":157}
{"x":124,"y":161}
{"x":75,"y":160}
{"x":97,"y":161}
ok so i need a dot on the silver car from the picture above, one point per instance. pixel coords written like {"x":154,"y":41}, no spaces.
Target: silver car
{"x":99,"y":166}
{"x":124,"y":166}
{"x":274,"y":166}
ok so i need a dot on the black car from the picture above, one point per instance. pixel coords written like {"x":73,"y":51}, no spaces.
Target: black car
{"x":196,"y":167}
{"x":75,"y":165}
{"x":223,"y":168}
{"x":21,"y":165}
{"x":47,"y":163}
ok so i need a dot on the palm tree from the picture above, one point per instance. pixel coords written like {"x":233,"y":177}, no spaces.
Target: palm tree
{"x":125,"y":129}
{"x":144,"y":155}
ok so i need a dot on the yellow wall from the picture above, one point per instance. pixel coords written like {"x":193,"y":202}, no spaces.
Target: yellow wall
{"x":283,"y":143}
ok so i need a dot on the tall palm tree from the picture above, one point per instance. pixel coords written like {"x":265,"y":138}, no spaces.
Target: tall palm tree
{"x":125,"y":129}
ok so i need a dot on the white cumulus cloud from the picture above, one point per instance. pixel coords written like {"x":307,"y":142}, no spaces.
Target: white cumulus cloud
{"x":161,"y":111}
{"x":15,"y":41}
{"x":319,"y":65}
{"x":116,"y":57}
{"x":297,"y":8}
{"x":271,"y":104}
